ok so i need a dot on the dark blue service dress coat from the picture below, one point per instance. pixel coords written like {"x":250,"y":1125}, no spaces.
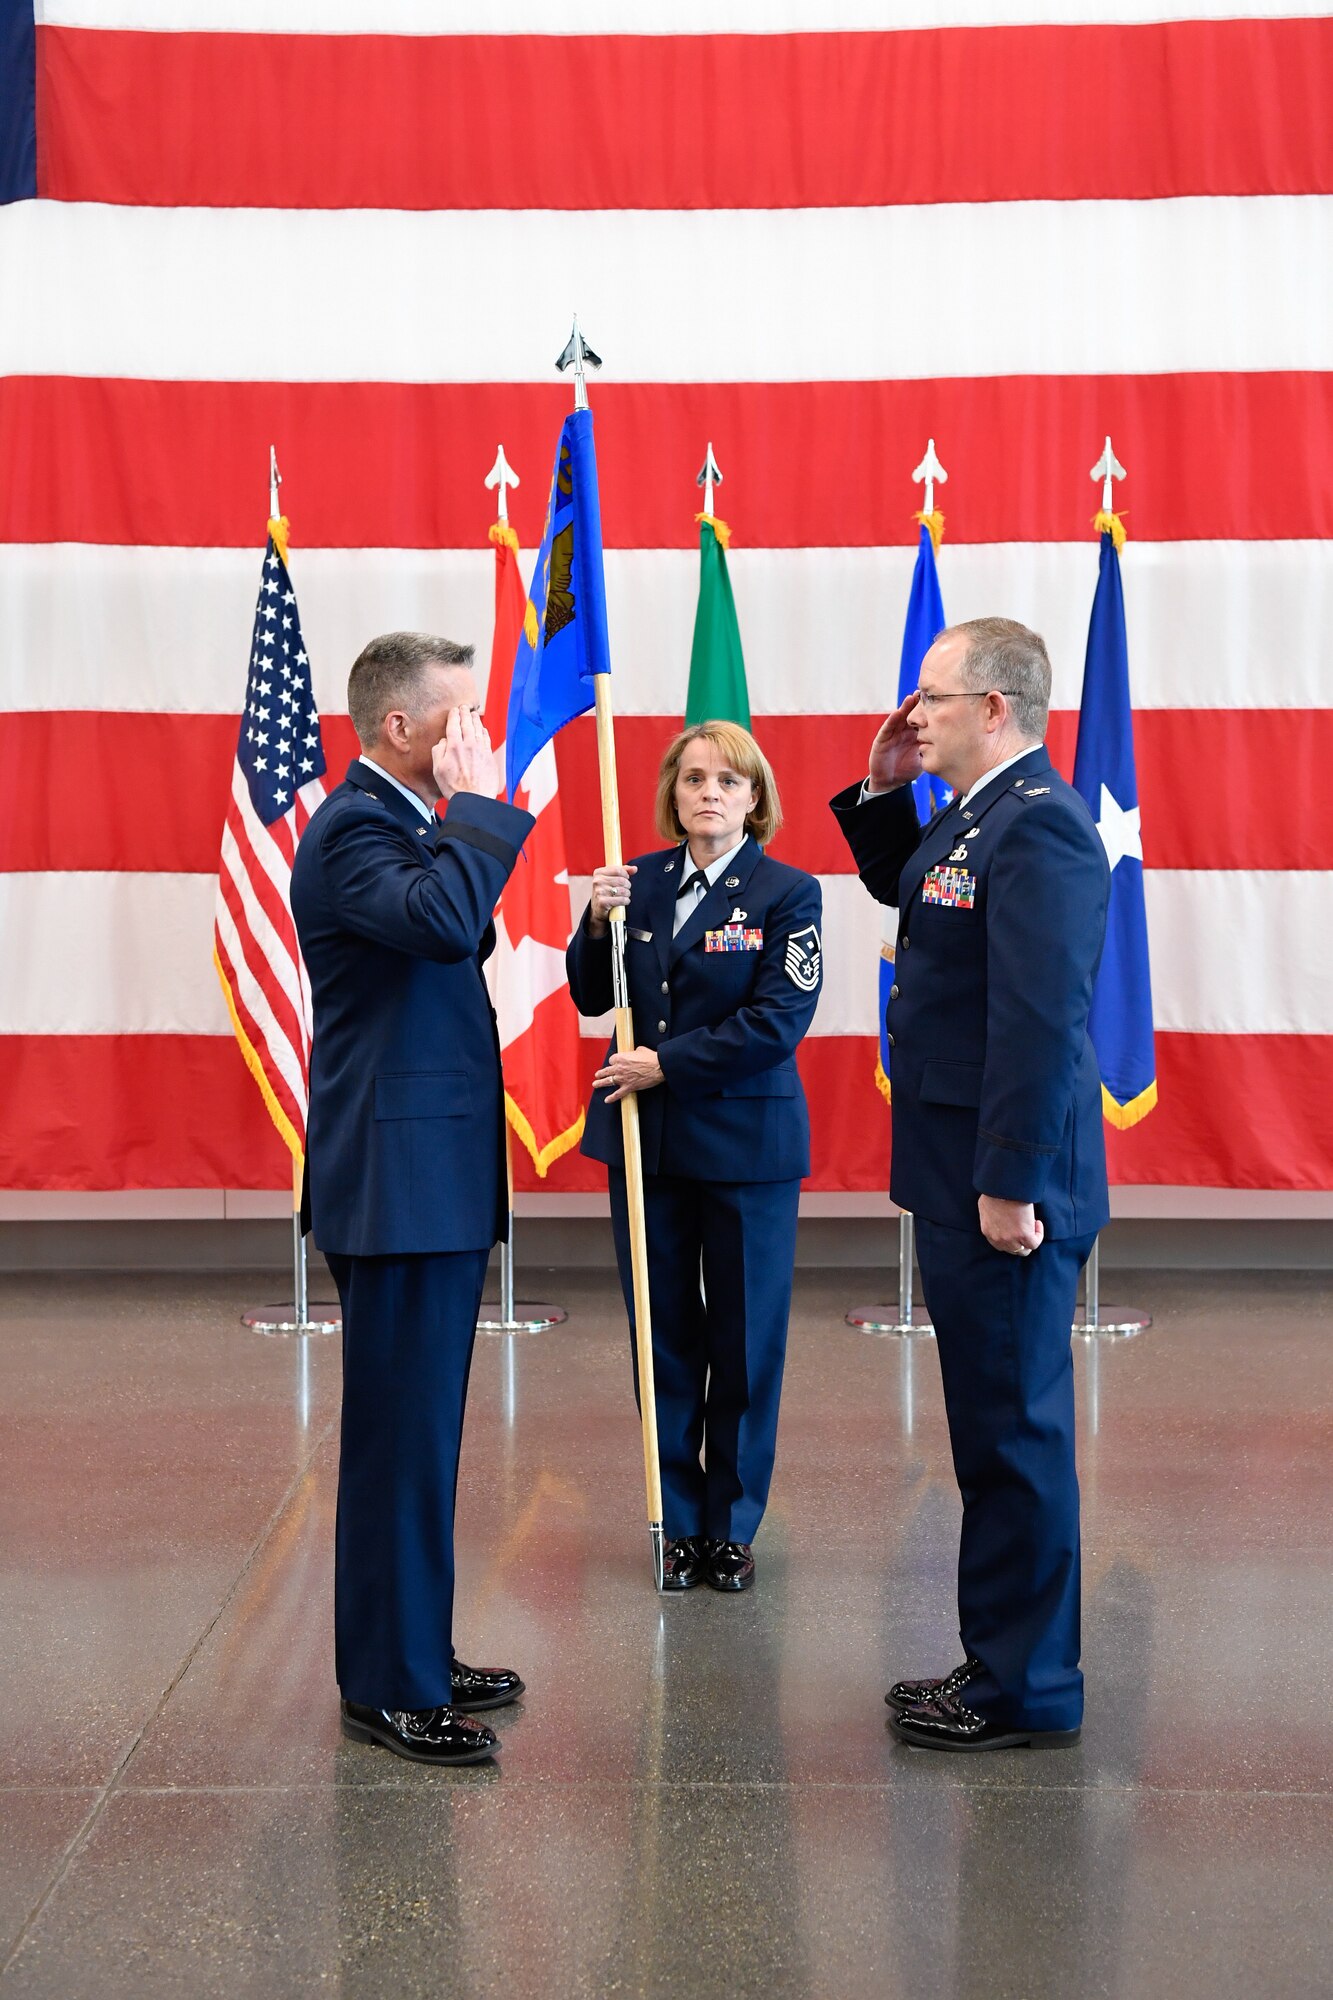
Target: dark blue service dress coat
{"x":406,"y":1181}
{"x":726,"y":1140}
{"x":1002,"y":913}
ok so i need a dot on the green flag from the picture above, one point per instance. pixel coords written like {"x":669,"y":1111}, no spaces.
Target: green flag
{"x":717,"y":665}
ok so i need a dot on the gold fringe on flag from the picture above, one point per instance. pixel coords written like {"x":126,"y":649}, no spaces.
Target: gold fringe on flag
{"x":1123,"y":1116}
{"x":256,"y":1069}
{"x":503,"y":536}
{"x":1112,"y":525}
{"x":720,"y":528}
{"x":935,"y":522}
{"x":543,"y":1157}
{"x":280,"y":530}
{"x":882,"y":1083}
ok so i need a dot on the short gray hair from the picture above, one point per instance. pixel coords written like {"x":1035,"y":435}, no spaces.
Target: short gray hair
{"x":1004,"y":655}
{"x":387,"y":674}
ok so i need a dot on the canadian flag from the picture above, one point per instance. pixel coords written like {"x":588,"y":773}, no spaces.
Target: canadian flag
{"x":539,"y":1030}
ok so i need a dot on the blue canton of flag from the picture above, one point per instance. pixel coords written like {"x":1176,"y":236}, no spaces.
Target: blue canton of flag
{"x":923,"y":625}
{"x":1120,"y":1023}
{"x":564,"y":642}
{"x":279,"y":748}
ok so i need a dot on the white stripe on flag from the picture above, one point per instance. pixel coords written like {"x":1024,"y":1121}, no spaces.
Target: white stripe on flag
{"x":1210,"y":624}
{"x":1121,"y":287}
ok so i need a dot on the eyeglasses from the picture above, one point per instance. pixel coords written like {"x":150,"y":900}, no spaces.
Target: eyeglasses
{"x":929,"y":699}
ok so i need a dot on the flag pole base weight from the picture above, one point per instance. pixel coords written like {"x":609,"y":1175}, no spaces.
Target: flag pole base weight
{"x":885,"y":1320}
{"x":321,"y":1317}
{"x":1113,"y":1323}
{"x":529,"y":1317}
{"x":659,"y":1567}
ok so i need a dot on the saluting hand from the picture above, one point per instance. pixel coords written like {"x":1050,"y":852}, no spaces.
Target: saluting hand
{"x":895,"y":756}
{"x":610,"y":891}
{"x":463,"y":760}
{"x":636,"y":1069}
{"x":1011,"y":1226}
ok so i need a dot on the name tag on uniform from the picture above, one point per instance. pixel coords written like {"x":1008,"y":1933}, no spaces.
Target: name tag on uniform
{"x":952,"y":888}
{"x":643,"y":937}
{"x":734,"y":937}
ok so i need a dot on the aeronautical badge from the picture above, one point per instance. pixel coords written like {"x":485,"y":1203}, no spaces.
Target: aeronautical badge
{"x":801,"y":961}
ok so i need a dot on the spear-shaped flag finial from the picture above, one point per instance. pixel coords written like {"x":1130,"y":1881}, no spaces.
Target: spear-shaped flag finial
{"x":710,"y":475}
{"x":1107,"y":468}
{"x":503,"y":475}
{"x":929,"y":470}
{"x":577,"y":354}
{"x":274,"y":482}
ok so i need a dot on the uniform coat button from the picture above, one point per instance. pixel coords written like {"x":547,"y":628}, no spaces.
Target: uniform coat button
{"x":904,"y":942}
{"x":892,"y":1043}
{"x":665,"y":987}
{"x":661,"y":1027}
{"x":893,"y":991}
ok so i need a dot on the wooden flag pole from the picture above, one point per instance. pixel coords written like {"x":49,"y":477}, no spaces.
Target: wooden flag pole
{"x":629,"y":1123}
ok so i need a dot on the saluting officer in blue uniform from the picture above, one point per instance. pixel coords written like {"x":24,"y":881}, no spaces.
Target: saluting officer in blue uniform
{"x":406,"y":1178}
{"x":723,"y":958}
{"x":997,"y":1148}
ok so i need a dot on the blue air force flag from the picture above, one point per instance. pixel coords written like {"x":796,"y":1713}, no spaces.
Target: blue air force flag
{"x":563,"y":643}
{"x":923,"y":625}
{"x":1120,"y":1023}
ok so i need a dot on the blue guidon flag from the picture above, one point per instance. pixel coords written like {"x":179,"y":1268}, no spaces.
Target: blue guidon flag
{"x":1120,"y":1023}
{"x":921,"y":628}
{"x":563,"y":643}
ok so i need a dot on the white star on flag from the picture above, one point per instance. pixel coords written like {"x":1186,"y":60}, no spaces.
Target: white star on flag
{"x":1120,"y":830}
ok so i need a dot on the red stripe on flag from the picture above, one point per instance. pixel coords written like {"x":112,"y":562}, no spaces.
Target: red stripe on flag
{"x":254,"y":973}
{"x":56,"y":822}
{"x":90,"y":458}
{"x":237,"y":981}
{"x":685,"y":121}
{"x":85,"y":1112}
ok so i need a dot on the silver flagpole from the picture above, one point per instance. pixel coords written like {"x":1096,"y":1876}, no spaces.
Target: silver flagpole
{"x":1101,"y":1322}
{"x":300,"y":1316}
{"x":882,"y":1319}
{"x":531,"y":1316}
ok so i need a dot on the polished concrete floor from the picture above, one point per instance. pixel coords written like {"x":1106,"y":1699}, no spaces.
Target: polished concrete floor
{"x":698,"y":1796}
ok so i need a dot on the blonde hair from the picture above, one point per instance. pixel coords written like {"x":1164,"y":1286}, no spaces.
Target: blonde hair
{"x":739,"y":749}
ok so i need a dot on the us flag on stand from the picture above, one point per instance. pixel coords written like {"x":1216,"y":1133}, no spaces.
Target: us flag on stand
{"x":277,"y":783}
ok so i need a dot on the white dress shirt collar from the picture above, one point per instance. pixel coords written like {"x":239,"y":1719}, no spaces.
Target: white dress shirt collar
{"x":380,"y":772}
{"x":995,"y":771}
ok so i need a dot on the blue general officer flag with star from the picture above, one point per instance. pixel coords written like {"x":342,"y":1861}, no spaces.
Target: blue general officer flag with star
{"x":1120,"y":1023}
{"x":279,"y":749}
{"x":923,"y":625}
{"x":564,"y":642}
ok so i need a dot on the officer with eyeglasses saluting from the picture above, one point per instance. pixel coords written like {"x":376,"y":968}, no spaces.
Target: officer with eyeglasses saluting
{"x":997,"y":1148}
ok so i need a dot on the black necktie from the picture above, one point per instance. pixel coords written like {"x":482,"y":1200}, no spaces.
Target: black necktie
{"x":690,"y":880}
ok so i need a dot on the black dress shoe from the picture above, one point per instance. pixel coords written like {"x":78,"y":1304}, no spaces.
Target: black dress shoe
{"x":484,"y":1687}
{"x":728,"y":1565}
{"x":945,"y":1724}
{"x":682,"y":1563}
{"x":906,"y":1694}
{"x":425,"y":1735}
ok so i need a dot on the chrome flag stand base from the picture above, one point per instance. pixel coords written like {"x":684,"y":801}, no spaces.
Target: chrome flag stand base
{"x":528,"y":1315}
{"x":301,"y":1314}
{"x":1101,"y":1322}
{"x":881,"y":1319}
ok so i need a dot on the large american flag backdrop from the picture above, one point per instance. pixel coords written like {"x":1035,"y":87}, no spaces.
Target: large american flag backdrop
{"x":815,"y":234}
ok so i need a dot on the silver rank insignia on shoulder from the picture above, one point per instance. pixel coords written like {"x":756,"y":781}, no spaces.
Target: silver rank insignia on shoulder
{"x":1038,"y":791}
{"x":801,"y":959}
{"x":732,"y":882}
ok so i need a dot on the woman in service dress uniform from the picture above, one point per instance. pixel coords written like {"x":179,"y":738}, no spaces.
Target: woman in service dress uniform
{"x":723,"y":956}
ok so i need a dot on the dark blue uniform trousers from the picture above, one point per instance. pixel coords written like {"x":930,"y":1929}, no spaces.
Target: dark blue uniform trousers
{"x":408,"y":1328}
{"x":1002,"y":1328}
{"x":717,"y":1357}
